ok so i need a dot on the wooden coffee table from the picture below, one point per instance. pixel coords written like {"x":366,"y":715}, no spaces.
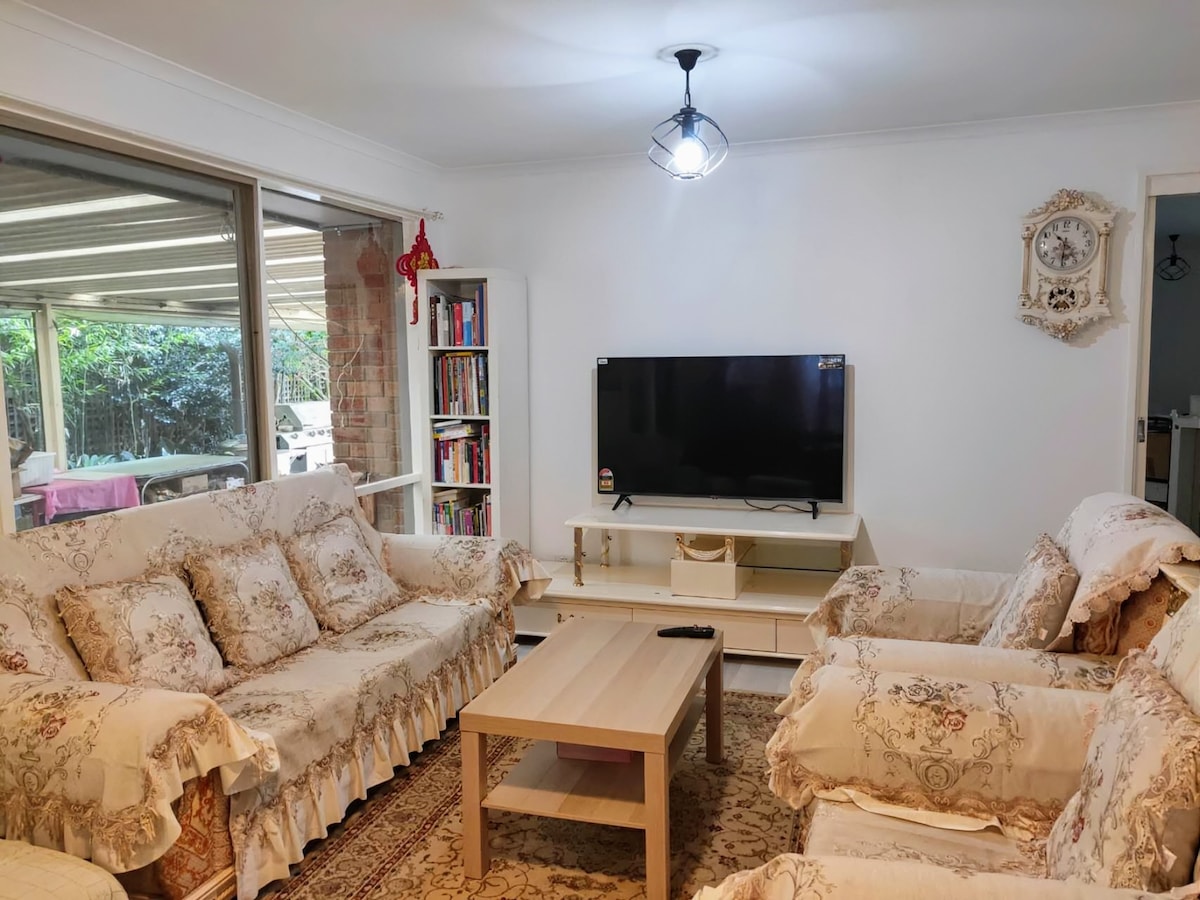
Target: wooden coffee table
{"x":605,"y":684}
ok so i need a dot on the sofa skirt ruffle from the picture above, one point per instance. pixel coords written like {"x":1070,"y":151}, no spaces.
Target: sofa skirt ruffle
{"x":269,"y":839}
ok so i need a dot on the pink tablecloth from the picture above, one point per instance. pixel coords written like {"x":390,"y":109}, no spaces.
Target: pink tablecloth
{"x":63,"y":496}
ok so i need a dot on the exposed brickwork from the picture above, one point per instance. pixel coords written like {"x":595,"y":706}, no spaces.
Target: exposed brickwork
{"x":364,"y":331}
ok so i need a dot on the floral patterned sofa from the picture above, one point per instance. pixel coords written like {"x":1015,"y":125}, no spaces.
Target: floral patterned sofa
{"x":1088,"y":595}
{"x":915,"y":786}
{"x":194,"y":690}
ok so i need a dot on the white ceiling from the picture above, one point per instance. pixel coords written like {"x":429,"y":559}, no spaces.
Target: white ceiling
{"x":478,"y":82}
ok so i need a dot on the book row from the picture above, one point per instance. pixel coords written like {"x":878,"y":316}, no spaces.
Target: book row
{"x":458,"y":321}
{"x":460,"y":384}
{"x":465,"y":460}
{"x":454,"y":513}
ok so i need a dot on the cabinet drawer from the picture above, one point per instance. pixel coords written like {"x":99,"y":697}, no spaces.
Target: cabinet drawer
{"x":535,"y":618}
{"x":542,"y":618}
{"x":793,"y":637}
{"x":741,"y":632}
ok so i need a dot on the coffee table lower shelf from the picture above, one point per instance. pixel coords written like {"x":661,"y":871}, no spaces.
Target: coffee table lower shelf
{"x":604,"y":793}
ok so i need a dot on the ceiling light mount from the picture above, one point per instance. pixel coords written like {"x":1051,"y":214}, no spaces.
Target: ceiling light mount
{"x":689,"y":145}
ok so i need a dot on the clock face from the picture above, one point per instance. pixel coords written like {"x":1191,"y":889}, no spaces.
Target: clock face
{"x":1065,"y":243}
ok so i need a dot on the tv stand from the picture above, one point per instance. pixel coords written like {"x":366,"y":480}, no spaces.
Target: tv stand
{"x":624,"y":498}
{"x":815,"y":507}
{"x":766,"y":618}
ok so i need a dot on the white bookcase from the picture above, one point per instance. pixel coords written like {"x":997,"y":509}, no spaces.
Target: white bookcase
{"x":448,"y":380}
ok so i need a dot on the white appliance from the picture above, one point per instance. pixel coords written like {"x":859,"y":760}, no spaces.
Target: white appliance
{"x":304,"y":439}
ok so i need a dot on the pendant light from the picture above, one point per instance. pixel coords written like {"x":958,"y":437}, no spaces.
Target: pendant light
{"x":1173,"y":267}
{"x":689,"y":144}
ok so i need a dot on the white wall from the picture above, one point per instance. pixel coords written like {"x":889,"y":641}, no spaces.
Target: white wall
{"x":84,"y":79}
{"x":1175,"y":331}
{"x":972,"y":431}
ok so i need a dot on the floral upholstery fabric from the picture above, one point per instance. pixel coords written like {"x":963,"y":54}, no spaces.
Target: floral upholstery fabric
{"x":1036,"y":668}
{"x":125,"y":722}
{"x":1142,"y":616}
{"x":1176,"y":651}
{"x":342,"y":581}
{"x":253,"y":604}
{"x":843,"y":829}
{"x":146,"y":633}
{"x":32,"y":638}
{"x":344,"y":713}
{"x":92,"y":768}
{"x":1112,"y":832}
{"x":949,"y":605}
{"x":976,"y":749}
{"x":795,"y":877}
{"x":1117,"y":543}
{"x":429,"y":568}
{"x":1032,"y":614}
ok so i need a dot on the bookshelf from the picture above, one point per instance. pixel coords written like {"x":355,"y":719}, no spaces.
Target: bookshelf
{"x":469,"y":403}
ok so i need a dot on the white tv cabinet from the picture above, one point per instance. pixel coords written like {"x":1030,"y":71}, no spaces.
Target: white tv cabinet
{"x":766,"y":618}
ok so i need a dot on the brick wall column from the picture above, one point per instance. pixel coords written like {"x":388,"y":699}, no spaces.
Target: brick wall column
{"x":364,"y":376}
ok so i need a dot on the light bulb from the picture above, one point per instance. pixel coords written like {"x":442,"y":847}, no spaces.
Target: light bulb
{"x":690,"y":156}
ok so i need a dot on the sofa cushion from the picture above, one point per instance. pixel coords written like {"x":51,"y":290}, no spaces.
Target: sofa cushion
{"x":347,"y":710}
{"x":1032,"y":614}
{"x":924,"y":745}
{"x":33,"y":640}
{"x":145,"y":633}
{"x":1142,"y":774}
{"x":254,"y":607}
{"x":342,"y":581}
{"x":843,"y":829}
{"x":1117,"y":543}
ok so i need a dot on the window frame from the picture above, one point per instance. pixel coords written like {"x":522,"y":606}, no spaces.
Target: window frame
{"x":247,"y":184}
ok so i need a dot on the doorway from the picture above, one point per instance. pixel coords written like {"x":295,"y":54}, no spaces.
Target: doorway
{"x":1170,"y":477}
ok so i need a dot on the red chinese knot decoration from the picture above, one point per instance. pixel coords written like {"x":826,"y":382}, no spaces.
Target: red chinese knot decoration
{"x":419,"y":257}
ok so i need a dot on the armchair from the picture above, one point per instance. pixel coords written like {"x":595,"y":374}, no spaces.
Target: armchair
{"x":913,"y":786}
{"x":1095,"y":588}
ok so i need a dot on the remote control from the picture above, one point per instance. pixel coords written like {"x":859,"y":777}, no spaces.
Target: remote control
{"x":692,"y":631}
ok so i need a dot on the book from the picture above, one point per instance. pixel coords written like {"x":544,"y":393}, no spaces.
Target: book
{"x":468,"y":317}
{"x":458,"y":324}
{"x":481,"y":307}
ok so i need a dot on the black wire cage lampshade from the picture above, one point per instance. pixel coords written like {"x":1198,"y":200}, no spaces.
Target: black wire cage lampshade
{"x":689,"y":144}
{"x":1174,"y":266}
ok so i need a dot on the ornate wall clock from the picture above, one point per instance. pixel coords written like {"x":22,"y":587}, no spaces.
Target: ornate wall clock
{"x":1064,"y":266}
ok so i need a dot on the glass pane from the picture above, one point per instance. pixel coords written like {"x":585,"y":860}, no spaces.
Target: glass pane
{"x":22,"y":387}
{"x":338,"y":343}
{"x":139,"y":270}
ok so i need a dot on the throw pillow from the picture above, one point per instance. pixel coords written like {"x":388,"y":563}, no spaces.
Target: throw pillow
{"x":1117,"y":543}
{"x":1032,"y":613}
{"x":1176,"y":651}
{"x":147,"y":633}
{"x":32,"y":639}
{"x":1143,"y":614}
{"x":342,"y":582}
{"x":254,"y":607}
{"x":1141,"y":781}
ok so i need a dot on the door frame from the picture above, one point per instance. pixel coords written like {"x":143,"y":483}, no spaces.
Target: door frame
{"x":1153,"y":187}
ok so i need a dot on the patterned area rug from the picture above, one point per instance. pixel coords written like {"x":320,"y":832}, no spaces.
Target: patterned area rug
{"x":405,"y":840}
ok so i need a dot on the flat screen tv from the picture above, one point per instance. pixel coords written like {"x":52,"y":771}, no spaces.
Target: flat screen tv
{"x":752,"y":427}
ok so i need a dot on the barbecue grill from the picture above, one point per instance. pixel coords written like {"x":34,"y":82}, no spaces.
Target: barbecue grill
{"x":304,"y":436}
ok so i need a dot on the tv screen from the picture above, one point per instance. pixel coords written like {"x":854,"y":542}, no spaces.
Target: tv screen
{"x":754,"y":427}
